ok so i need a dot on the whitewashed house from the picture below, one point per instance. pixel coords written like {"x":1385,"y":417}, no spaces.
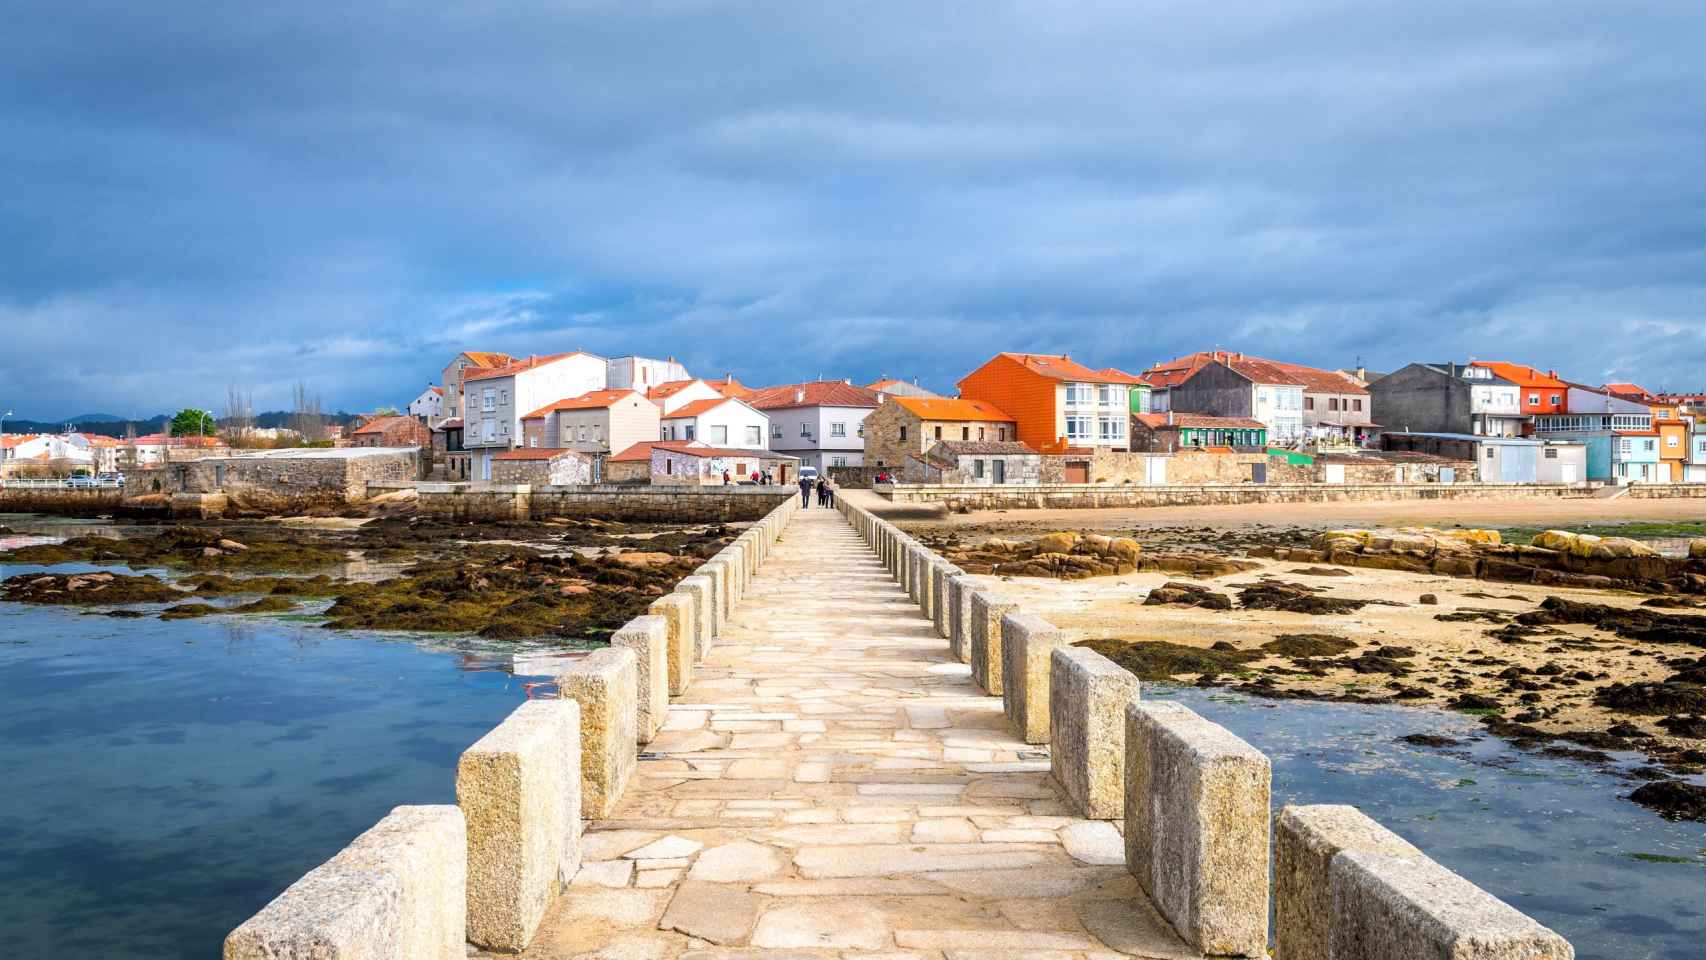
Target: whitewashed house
{"x":496,"y":398}
{"x":821,"y":422}
{"x":719,"y":422}
{"x":643,"y":373}
{"x":675,"y":394}
{"x":429,"y":406}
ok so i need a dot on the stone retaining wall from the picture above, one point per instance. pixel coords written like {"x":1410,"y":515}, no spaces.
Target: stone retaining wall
{"x":74,"y":503}
{"x":673,"y":504}
{"x":1064,"y":496}
{"x":429,"y":880}
{"x":1196,"y":802}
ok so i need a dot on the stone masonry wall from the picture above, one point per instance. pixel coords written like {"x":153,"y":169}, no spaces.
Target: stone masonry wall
{"x":1079,"y":496}
{"x":677,"y":504}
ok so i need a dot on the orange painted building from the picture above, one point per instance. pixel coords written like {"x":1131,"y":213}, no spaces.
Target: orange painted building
{"x":1540,"y":392}
{"x":1055,"y":402}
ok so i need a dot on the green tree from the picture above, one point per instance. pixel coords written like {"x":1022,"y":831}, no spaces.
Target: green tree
{"x":194,"y":423}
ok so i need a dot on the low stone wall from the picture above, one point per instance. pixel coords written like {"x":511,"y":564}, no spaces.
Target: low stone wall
{"x":1661,"y":491}
{"x":71,"y":503}
{"x":427,"y":880}
{"x":1080,"y":496}
{"x":672,"y":504}
{"x":1196,"y":802}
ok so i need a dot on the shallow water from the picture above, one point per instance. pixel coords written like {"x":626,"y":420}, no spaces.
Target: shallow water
{"x":1549,"y":836}
{"x":164,"y":780}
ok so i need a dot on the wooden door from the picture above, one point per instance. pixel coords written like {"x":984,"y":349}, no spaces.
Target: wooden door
{"x":1077,"y":471}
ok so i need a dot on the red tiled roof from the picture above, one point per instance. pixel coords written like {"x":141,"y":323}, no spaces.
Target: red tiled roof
{"x":488,"y":358}
{"x":437,"y":390}
{"x":1062,"y":367}
{"x":1629,"y":391}
{"x":1116,"y":375}
{"x":379,"y":425}
{"x":535,"y":453}
{"x":1256,"y":369}
{"x":511,"y":369}
{"x":696,"y":408}
{"x":642,"y":451}
{"x":1197,"y":421}
{"x":1521,"y":374}
{"x":595,"y":400}
{"x":817,"y":393}
{"x":942,"y":408}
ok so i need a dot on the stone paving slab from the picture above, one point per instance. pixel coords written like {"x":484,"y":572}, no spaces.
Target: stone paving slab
{"x":833,"y":784}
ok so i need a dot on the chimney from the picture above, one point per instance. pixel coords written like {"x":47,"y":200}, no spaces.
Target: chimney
{"x":799,"y":396}
{"x":1169,"y":416}
{"x":1362,"y":373}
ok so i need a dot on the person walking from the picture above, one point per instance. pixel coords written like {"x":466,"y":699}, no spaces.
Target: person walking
{"x":829,"y":492}
{"x":805,"y":493}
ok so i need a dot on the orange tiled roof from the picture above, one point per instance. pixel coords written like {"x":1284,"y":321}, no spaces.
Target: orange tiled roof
{"x":642,"y":451}
{"x":1522,"y":374}
{"x":1116,"y":375}
{"x":696,"y":408}
{"x":942,"y":408}
{"x":511,"y":369}
{"x":1062,"y":367}
{"x":1257,"y":369}
{"x":379,"y":425}
{"x":1629,"y":391}
{"x":816,"y":393}
{"x":488,"y":358}
{"x":594,"y":400}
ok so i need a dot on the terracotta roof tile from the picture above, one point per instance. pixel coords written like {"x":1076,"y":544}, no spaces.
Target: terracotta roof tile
{"x":519,"y":366}
{"x":1197,"y":421}
{"x":933,"y":408}
{"x":1061,"y":367}
{"x":696,"y":408}
{"x":595,"y":400}
{"x":817,"y":393}
{"x":1522,"y":374}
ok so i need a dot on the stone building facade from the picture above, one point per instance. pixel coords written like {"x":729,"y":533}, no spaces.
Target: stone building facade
{"x":537,"y":465}
{"x":392,"y":432}
{"x":911,"y":426}
{"x":975,"y":462}
{"x":282,"y":479}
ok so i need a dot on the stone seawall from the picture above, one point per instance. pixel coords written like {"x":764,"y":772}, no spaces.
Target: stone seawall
{"x":73,"y":503}
{"x":677,"y":504}
{"x":1662,"y":491}
{"x":1197,"y":804}
{"x":1065,"y":496}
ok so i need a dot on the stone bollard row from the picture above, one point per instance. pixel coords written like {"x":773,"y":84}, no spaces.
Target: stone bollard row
{"x":648,"y":637}
{"x":1196,"y":800}
{"x":1347,"y":888}
{"x":397,"y":890}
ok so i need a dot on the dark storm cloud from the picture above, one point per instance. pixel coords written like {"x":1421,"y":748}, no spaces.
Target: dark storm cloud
{"x":347,"y":194}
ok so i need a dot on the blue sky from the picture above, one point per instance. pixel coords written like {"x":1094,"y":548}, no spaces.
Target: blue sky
{"x":346,"y":194}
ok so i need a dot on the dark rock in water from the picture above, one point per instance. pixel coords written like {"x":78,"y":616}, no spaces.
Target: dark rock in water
{"x":1411,"y":693}
{"x":124,"y":614}
{"x":1601,"y":739}
{"x":1573,"y":753}
{"x":86,"y":589}
{"x":1694,"y":728}
{"x":1293,"y":598}
{"x":1308,"y":645}
{"x":1475,"y":701}
{"x":1430,"y":740}
{"x":1624,"y":728}
{"x":1175,"y":592}
{"x":1673,"y":799}
{"x":1428,"y":599}
{"x":1647,"y":772}
{"x":1652,"y":699}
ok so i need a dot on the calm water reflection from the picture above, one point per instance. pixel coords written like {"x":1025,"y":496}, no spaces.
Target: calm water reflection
{"x":1549,"y":836}
{"x":164,"y":780}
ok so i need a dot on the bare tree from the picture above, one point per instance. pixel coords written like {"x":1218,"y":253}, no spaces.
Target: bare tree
{"x":306,"y":419}
{"x":239,"y":414}
{"x":127,"y":456}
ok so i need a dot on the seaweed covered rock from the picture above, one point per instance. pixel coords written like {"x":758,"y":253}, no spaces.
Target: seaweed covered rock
{"x":1673,"y":799}
{"x":1176,"y":593}
{"x":1160,"y":660}
{"x":1652,"y":699}
{"x":87,"y":589}
{"x":1293,"y":598}
{"x":1635,"y":624}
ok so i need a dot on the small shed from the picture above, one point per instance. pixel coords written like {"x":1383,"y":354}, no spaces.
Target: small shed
{"x":977,"y":462}
{"x":1497,"y":459}
{"x":547,"y":466}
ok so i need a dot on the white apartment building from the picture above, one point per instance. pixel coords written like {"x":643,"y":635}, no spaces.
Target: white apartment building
{"x":672,"y":395}
{"x":720,"y":422}
{"x":495,"y":399}
{"x":643,"y":373}
{"x":821,"y":422}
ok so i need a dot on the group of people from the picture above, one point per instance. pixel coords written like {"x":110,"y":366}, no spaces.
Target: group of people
{"x":825,"y":488}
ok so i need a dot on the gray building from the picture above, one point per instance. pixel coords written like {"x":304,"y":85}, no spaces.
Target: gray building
{"x":1448,"y":398}
{"x":1500,"y":459}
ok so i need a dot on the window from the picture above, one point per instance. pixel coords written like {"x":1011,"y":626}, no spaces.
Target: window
{"x":977,"y":469}
{"x":1308,"y":403}
{"x":776,"y":431}
{"x":965,"y":433}
{"x":838,"y":429}
{"x":902,"y":432}
{"x":838,"y":461}
{"x":1001,"y":434}
{"x":581,"y":433}
{"x":1555,"y":399}
{"x":720,"y":433}
{"x":488,"y":430}
{"x":1078,"y":427}
{"x":533,"y":441}
{"x":1332,"y":403}
{"x":1671,"y":440}
{"x":687,"y":431}
{"x":1079,"y":395}
{"x":806,"y":429}
{"x":489,"y":400}
{"x":1104,"y":395}
{"x":1110,"y":428}
{"x":938,"y":433}
{"x":1356,"y":404}
{"x":1649,"y":446}
{"x":980,"y":433}
{"x":1534,"y":399}
{"x":754,"y":436}
{"x":503,"y":398}
{"x":1489,"y":453}
{"x":1551,"y":454}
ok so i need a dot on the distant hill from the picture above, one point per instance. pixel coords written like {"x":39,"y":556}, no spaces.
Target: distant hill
{"x":107,"y":425}
{"x":95,"y":418}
